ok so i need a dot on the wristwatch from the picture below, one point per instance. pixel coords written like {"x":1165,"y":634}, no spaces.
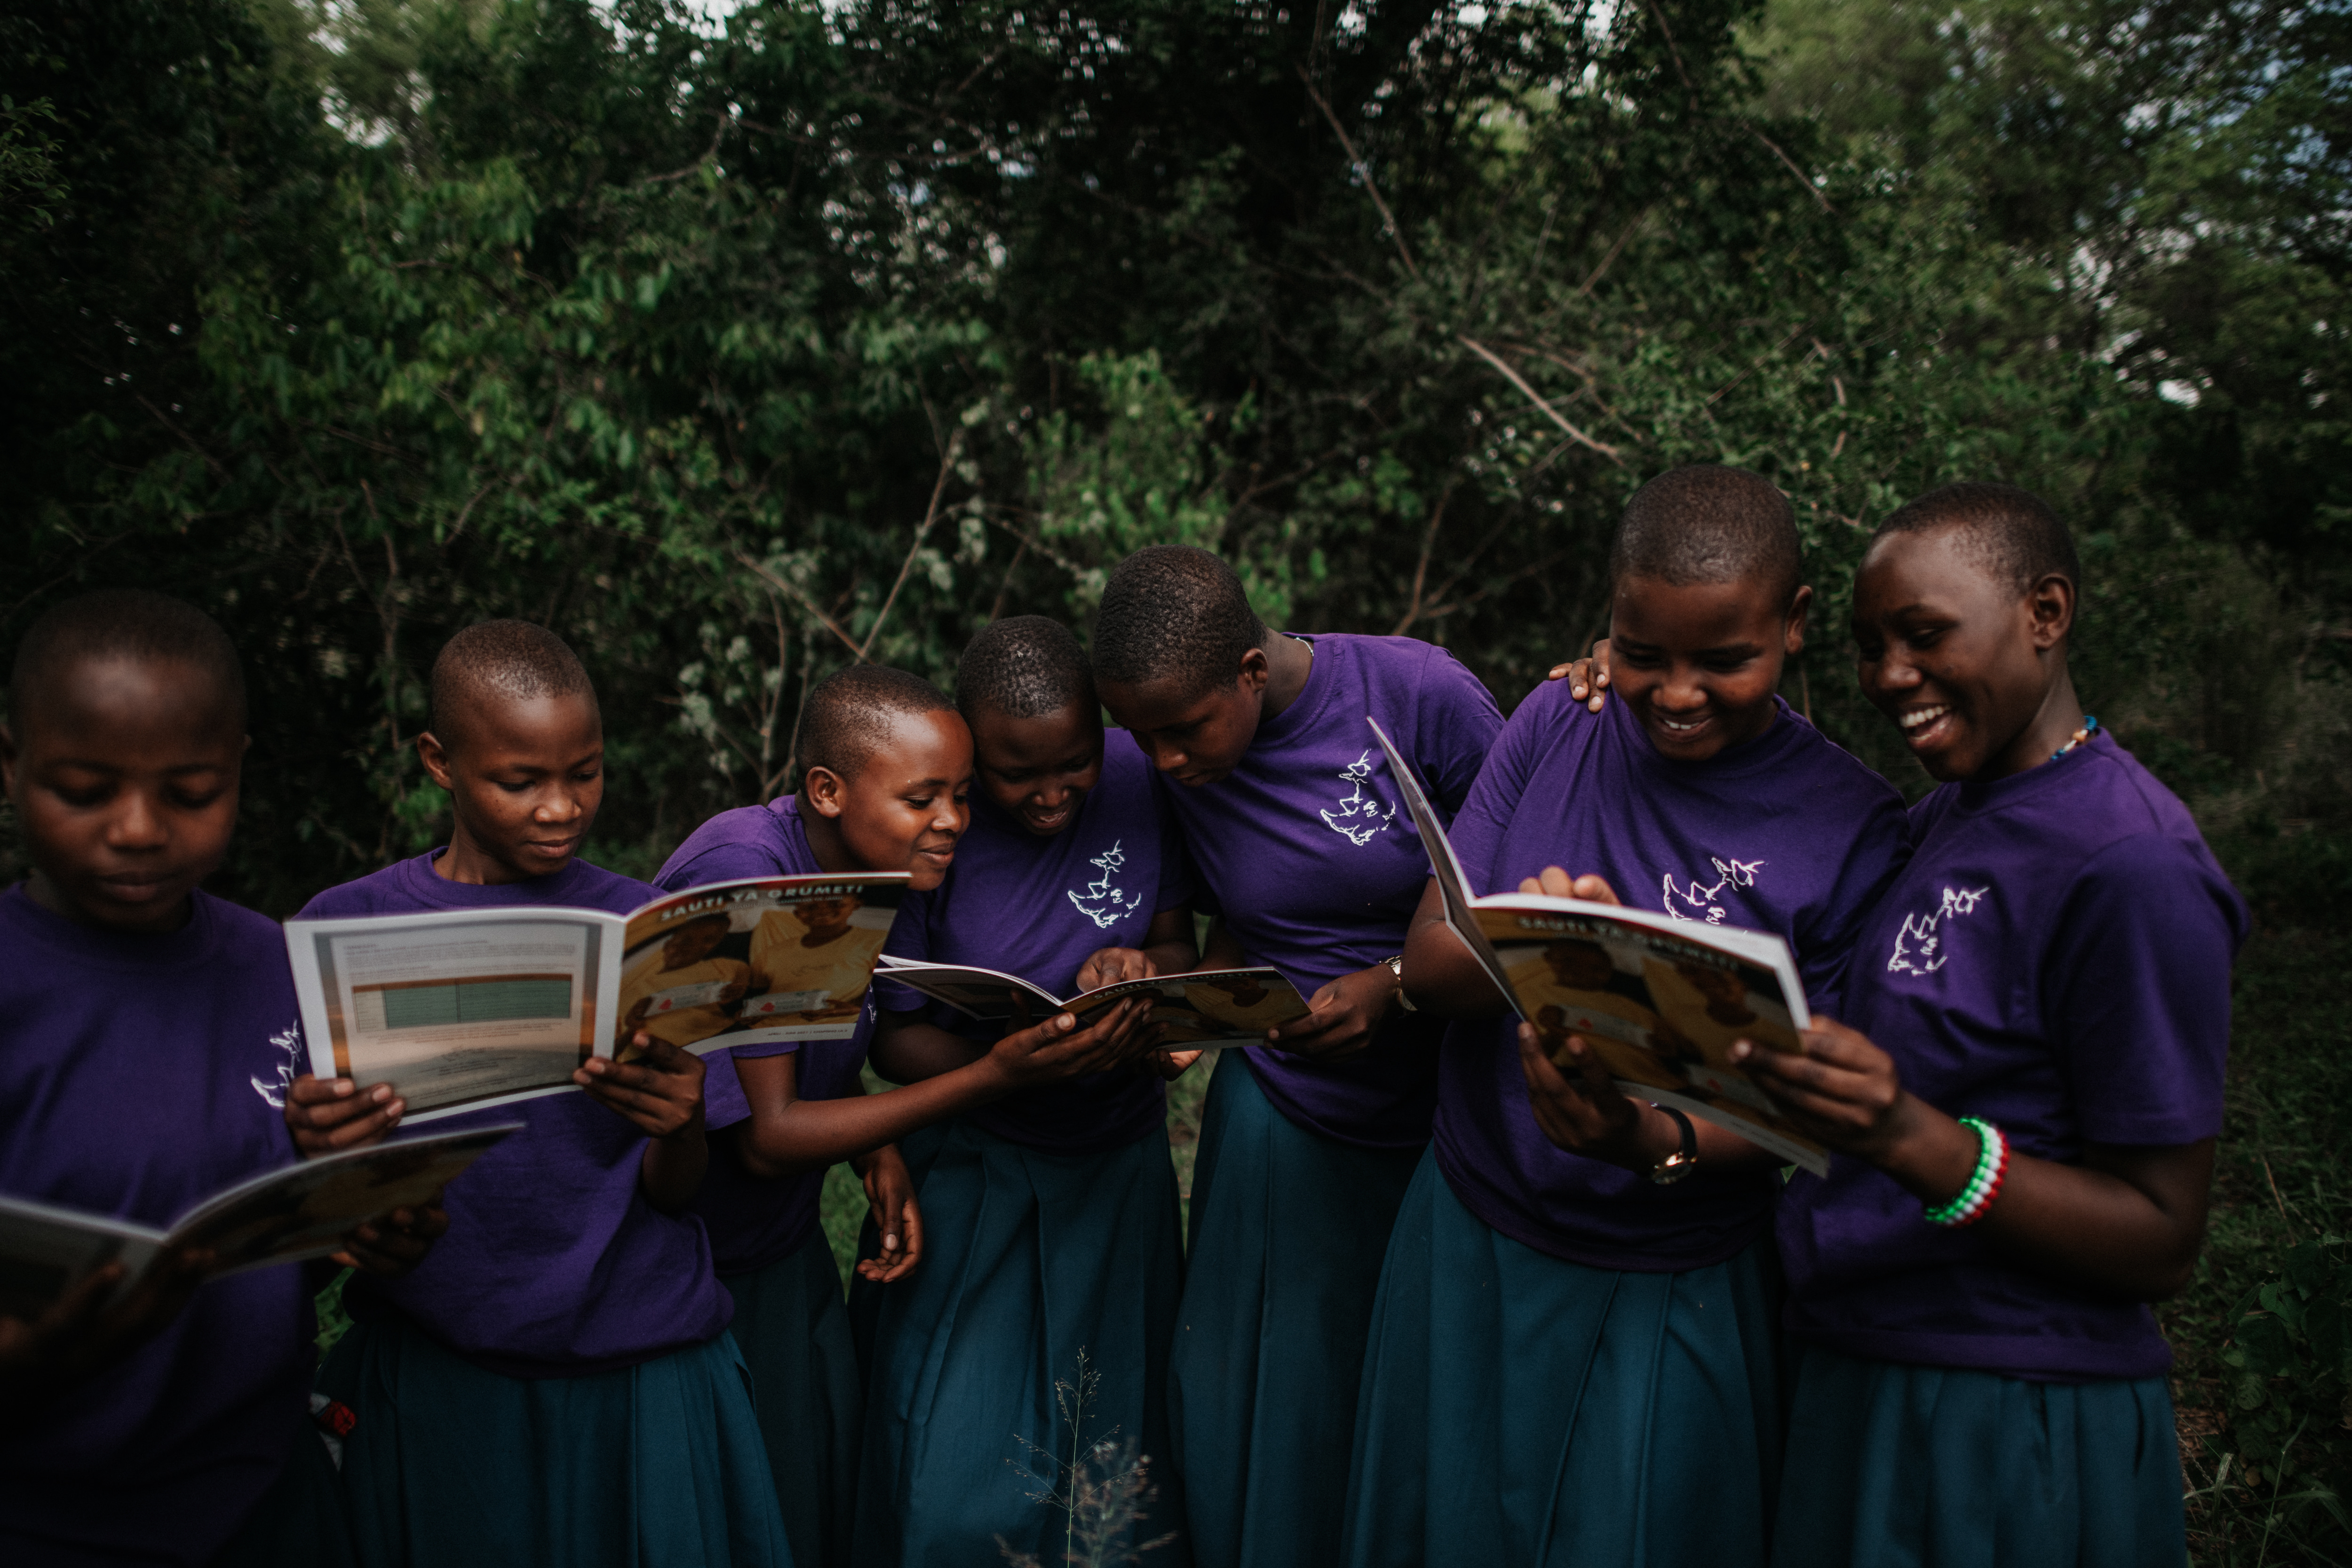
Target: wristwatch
{"x":1396,"y":967}
{"x":1682,"y":1161}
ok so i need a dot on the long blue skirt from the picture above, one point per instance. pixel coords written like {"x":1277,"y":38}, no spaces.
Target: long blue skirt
{"x":1520,"y":1410}
{"x":1922,"y":1467}
{"x":980,"y":1410}
{"x":1288,"y":1230}
{"x":794,"y":1332}
{"x":658,"y":1465}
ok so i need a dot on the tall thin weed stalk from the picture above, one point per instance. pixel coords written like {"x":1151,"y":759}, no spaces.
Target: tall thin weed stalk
{"x":1101,"y":1486}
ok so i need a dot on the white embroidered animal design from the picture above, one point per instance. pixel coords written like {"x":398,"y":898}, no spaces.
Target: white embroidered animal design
{"x":288,"y":1040}
{"x":1700,"y":902}
{"x":1101,"y":902}
{"x":1359,"y":816}
{"x":1920,"y":945}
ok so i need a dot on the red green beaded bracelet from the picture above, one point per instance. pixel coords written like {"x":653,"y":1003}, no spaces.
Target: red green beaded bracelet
{"x":1984,"y":1183}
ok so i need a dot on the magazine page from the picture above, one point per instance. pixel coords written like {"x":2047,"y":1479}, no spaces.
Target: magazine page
{"x":1207,"y":1009}
{"x":1661,"y":1001}
{"x":1452,"y":886}
{"x":748,"y":963}
{"x":456,"y":1010}
{"x":45,"y":1251}
{"x":305,"y":1210}
{"x":986,"y":994}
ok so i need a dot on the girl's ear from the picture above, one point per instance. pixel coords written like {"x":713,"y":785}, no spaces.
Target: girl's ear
{"x":823,"y":789}
{"x":2051,"y":603}
{"x":1256,"y":671}
{"x":435,"y":759}
{"x":1800,"y":606}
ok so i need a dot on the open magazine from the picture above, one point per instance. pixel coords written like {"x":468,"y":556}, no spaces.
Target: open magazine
{"x":463,"y":1009}
{"x":291,"y":1214}
{"x":1661,"y":1000}
{"x":1203,"y":1010}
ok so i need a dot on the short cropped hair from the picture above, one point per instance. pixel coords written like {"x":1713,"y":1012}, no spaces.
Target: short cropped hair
{"x":126,"y":624}
{"x":2013,"y":532}
{"x":849,"y":712}
{"x":513,"y":659}
{"x":1172,"y":610}
{"x":1709,"y":523}
{"x":1023,"y":667}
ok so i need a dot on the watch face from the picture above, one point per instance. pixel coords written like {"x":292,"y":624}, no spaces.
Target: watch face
{"x":1674,"y":1170}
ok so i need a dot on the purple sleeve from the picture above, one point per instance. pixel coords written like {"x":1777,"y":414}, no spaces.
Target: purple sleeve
{"x":720,"y":863}
{"x":1203,"y":896}
{"x":1486,"y":808}
{"x":2139,"y":973}
{"x":1878,"y":855}
{"x":723,"y":1104}
{"x":1456,"y":722}
{"x":910,"y":938}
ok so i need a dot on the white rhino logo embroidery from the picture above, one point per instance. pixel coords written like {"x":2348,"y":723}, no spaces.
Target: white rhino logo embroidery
{"x":1698,"y":903}
{"x":1359,"y":816}
{"x":288,"y":1040}
{"x":1101,"y":902}
{"x":1920,"y":945}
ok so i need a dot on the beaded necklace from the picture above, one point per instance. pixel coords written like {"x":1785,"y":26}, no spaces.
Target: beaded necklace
{"x":2089,"y":728}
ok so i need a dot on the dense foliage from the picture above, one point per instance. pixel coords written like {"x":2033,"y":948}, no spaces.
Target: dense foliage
{"x":735,"y":355}
{"x":738,"y":349}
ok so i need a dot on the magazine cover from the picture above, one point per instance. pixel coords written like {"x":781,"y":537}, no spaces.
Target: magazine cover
{"x":460,"y":1010}
{"x":749,"y":962}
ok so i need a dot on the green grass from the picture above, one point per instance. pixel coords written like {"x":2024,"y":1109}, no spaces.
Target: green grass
{"x":2281,"y":1182}
{"x":2263,"y":1336}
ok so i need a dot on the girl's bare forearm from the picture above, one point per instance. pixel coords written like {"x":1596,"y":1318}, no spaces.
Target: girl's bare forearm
{"x":813,"y":1134}
{"x":2126,"y":1222}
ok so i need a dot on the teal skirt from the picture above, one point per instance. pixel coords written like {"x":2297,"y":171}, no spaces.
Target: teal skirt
{"x":1288,"y":1230}
{"x":658,"y":1465}
{"x":1519,"y":1409}
{"x":1922,"y":1467}
{"x":794,"y":1333}
{"x":1028,"y":1350}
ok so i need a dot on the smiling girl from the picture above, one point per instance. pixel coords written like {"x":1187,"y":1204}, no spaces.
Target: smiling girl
{"x":2024,"y":1086}
{"x":1573,"y":1356}
{"x":1053,"y":1211}
{"x":885,"y":787}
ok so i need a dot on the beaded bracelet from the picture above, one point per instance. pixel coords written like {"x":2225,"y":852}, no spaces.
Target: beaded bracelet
{"x":1984,"y":1183}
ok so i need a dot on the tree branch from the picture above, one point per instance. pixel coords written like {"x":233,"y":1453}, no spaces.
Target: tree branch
{"x":1421,"y":571}
{"x":1396,"y":230}
{"x":1789,"y":163}
{"x":805,"y":603}
{"x":1516,"y":379}
{"x":930,"y":515}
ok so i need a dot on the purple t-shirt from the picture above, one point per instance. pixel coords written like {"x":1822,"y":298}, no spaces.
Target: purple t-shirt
{"x":755,"y":1221}
{"x":2055,"y":959}
{"x":1039,"y":908}
{"x":1306,"y":853}
{"x":555,"y":1264}
{"x":1784,"y":834}
{"x":140,"y":1075}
